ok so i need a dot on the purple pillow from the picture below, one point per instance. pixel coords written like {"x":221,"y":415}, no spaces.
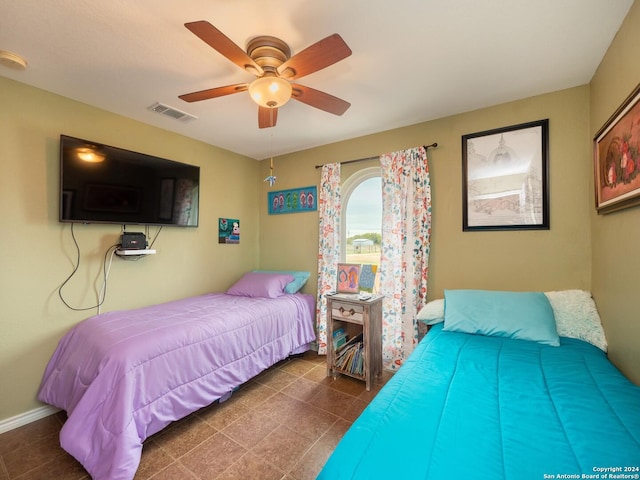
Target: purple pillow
{"x":258,"y":284}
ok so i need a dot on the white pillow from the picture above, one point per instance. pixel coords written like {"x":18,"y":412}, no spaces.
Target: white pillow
{"x":432,"y":312}
{"x":577,"y":316}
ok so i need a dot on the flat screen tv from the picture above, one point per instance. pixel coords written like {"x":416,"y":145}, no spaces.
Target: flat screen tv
{"x":104,"y":184}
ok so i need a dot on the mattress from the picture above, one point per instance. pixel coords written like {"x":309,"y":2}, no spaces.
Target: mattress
{"x":485,"y":407}
{"x":123,"y":376}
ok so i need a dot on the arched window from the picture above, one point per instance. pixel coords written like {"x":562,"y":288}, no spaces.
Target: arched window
{"x":361,"y":222}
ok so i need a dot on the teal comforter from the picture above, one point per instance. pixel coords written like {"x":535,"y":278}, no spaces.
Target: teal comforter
{"x":478,"y":407}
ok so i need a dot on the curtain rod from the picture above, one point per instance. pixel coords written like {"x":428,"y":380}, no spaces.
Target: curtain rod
{"x":426,"y":147}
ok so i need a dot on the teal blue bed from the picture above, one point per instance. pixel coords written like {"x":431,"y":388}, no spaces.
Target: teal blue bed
{"x":482,"y":402}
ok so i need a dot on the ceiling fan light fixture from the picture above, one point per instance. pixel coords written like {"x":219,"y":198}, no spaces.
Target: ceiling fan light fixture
{"x":270,"y":91}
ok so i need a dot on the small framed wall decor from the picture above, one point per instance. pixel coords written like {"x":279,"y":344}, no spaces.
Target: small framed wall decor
{"x":228,"y":230}
{"x":348,"y":278}
{"x":294,"y":200}
{"x":504,"y":178}
{"x":617,"y":158}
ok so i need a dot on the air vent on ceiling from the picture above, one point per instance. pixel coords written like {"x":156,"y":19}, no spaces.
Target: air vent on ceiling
{"x":172,"y":112}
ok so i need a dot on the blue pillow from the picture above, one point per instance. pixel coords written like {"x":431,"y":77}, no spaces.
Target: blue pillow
{"x":299,"y":279}
{"x":521,"y":315}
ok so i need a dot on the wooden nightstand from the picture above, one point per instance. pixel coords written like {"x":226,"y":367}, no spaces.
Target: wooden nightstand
{"x":354,"y":337}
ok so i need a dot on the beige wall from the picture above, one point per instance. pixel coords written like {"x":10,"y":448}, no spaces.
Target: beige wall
{"x":37,"y":253}
{"x":542,"y":260}
{"x":616,"y":265}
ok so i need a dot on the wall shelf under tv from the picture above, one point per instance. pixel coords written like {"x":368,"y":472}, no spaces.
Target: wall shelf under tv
{"x":121,"y":252}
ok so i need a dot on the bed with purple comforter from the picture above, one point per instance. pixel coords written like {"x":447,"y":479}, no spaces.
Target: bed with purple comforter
{"x":123,"y":376}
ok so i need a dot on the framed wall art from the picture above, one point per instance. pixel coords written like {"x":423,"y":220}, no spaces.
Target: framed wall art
{"x":228,"y":230}
{"x":294,"y":200}
{"x":504,"y":178}
{"x":617,"y":158}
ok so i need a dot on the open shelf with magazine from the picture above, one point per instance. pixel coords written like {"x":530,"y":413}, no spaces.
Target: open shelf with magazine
{"x":354,"y":337}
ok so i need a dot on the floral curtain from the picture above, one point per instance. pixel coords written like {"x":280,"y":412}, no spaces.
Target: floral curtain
{"x":329,"y":208}
{"x":406,"y":230}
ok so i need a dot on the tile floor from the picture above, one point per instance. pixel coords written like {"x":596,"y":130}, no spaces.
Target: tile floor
{"x":281,"y":425}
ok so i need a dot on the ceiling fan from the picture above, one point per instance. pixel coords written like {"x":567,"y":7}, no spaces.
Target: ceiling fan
{"x":270,"y":60}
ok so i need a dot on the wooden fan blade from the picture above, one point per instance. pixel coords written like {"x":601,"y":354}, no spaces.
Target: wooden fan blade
{"x":224,"y":45}
{"x":315,"y":57}
{"x":318,"y":99}
{"x":214,"y":92}
{"x":267,"y":117}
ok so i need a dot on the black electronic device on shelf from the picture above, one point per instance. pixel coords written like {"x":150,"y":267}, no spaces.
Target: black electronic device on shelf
{"x":133,"y":241}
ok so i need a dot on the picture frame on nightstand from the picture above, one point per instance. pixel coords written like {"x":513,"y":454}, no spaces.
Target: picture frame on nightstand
{"x":348,"y":278}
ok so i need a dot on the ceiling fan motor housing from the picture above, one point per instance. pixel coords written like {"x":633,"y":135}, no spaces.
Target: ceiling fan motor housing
{"x":268,"y":52}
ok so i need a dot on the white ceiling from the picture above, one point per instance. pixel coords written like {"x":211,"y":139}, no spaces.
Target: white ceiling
{"x":412,"y":61}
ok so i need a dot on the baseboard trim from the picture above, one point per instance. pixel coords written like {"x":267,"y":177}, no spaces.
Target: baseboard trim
{"x":27,"y":417}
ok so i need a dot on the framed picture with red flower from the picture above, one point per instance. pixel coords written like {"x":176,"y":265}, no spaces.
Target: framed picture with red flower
{"x":617,"y":158}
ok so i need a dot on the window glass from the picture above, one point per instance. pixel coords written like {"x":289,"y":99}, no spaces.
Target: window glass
{"x":362,"y":230}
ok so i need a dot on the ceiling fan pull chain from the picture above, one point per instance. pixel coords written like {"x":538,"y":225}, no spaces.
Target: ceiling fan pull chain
{"x":271,"y":179}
